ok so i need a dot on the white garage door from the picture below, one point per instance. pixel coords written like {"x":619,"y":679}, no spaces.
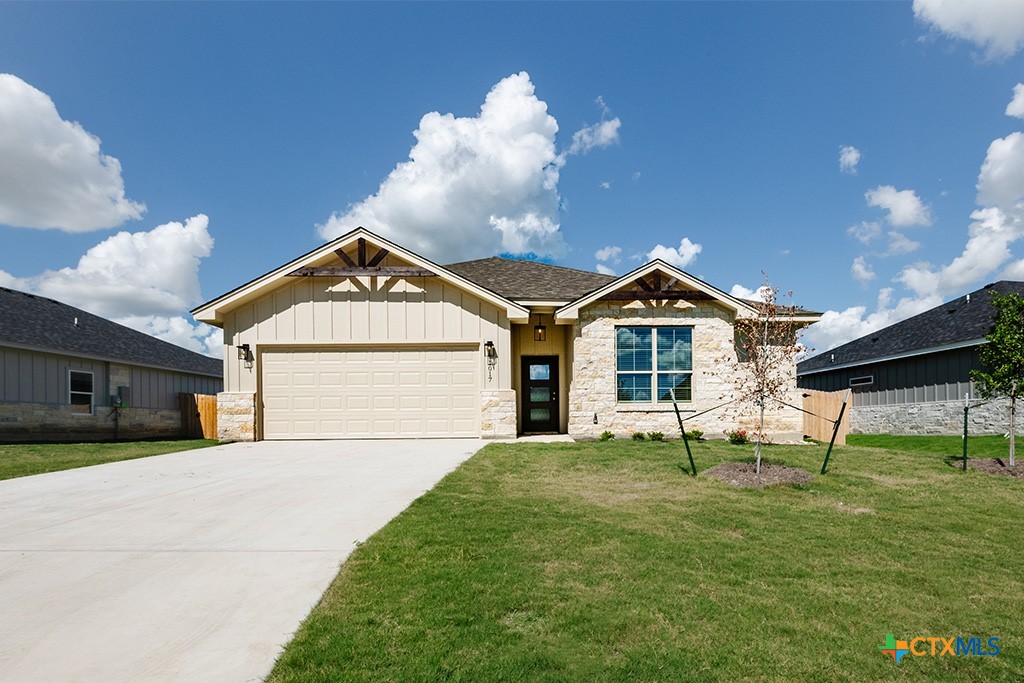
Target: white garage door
{"x":370,"y":393}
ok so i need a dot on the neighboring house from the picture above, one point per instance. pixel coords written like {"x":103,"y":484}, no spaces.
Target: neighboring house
{"x":911,"y":377}
{"x":63,"y":370}
{"x":361,"y":338}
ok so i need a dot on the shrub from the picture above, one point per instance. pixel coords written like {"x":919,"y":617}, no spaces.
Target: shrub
{"x":606,"y":436}
{"x":656,"y":436}
{"x":736,"y":436}
{"x":695,"y":433}
{"x":639,"y":436}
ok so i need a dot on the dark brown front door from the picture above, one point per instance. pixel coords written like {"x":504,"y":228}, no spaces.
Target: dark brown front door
{"x":540,"y":393}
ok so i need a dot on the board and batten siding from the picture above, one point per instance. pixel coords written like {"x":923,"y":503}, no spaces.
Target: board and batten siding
{"x":928,"y":378}
{"x":365,"y":310}
{"x":37,"y":377}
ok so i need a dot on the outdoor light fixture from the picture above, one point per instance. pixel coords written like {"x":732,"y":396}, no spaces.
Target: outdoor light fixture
{"x":540,"y":333}
{"x":491,"y":354}
{"x":245,"y":354}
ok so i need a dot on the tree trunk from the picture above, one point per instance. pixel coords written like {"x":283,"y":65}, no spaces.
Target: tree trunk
{"x":757,"y":445}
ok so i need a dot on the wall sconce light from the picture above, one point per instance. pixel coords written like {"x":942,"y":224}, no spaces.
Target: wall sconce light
{"x":245,"y":354}
{"x":491,"y":354}
{"x":540,"y":333}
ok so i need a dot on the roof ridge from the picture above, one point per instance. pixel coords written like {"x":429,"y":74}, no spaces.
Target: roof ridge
{"x":526,"y":260}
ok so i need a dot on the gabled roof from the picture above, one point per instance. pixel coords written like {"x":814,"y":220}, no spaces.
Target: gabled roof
{"x":571,"y":310}
{"x":33,"y":322}
{"x":213,"y":311}
{"x":962,"y":322}
{"x":522,"y":280}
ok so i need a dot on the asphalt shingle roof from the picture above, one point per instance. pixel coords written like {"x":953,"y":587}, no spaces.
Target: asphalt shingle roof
{"x":963,"y":319}
{"x":27,"y":320}
{"x":519,"y":280}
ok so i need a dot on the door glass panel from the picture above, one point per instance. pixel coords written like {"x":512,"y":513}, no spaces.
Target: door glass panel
{"x":540,"y":394}
{"x":540,"y":415}
{"x":540,"y":371}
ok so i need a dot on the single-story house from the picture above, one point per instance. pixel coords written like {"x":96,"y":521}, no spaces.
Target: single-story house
{"x":66,"y":374}
{"x":361,"y":338}
{"x":911,"y":377}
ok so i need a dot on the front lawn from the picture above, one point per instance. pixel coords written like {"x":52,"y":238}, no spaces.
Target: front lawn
{"x":20,"y":460}
{"x":605,"y":561}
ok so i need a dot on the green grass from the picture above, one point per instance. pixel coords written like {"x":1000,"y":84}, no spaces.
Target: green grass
{"x":21,"y":460}
{"x":987,"y":446}
{"x":605,"y":562}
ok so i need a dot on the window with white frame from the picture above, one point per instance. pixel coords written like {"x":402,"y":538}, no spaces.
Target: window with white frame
{"x":652,"y":361}
{"x":80,"y":392}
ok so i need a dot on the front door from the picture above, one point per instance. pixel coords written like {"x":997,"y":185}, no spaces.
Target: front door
{"x":540,"y":393}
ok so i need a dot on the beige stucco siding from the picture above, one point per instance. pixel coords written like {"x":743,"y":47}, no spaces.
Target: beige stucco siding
{"x":365,"y":310}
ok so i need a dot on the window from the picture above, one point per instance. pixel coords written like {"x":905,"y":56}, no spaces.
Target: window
{"x":653,"y":361}
{"x":80,"y":392}
{"x":862,"y":381}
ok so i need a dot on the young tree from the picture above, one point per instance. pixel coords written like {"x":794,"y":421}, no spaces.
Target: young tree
{"x":768,"y":348}
{"x":1002,"y":358}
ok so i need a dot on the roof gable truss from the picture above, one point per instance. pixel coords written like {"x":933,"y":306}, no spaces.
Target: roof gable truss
{"x":655,"y":281}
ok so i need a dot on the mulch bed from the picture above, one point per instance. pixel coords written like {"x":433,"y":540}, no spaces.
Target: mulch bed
{"x":741,"y":474}
{"x":996,"y":466}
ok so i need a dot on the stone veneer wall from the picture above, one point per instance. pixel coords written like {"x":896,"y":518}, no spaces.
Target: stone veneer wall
{"x":498,"y":414}
{"x":53,"y":422}
{"x":939,"y":417}
{"x":236,"y":416}
{"x":715,"y":371}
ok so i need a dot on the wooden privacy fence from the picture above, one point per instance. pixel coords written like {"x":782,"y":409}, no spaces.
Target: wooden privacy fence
{"x":198,"y":416}
{"x":825,"y":404}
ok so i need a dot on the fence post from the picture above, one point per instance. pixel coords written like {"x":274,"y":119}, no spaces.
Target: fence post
{"x":967,"y":406}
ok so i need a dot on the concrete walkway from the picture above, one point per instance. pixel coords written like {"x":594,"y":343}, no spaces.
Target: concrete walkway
{"x":193,"y":566}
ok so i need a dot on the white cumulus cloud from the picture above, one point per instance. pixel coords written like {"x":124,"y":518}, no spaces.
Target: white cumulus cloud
{"x":904,"y":207}
{"x":900,"y":244}
{"x":865,"y":231}
{"x":600,"y":134}
{"x":609,"y":253}
{"x":1001,"y":180}
{"x":52,"y":172}
{"x":995,"y":26}
{"x":679,"y":257}
{"x":741,"y":292}
{"x":144,"y":280}
{"x":605,"y":270}
{"x":849,"y":157}
{"x":861,"y":271}
{"x":1016,"y":105}
{"x":839,"y":327}
{"x":477,"y":185}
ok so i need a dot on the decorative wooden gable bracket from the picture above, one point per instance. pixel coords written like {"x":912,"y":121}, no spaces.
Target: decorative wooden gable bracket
{"x":655,"y":290}
{"x":361,"y":266}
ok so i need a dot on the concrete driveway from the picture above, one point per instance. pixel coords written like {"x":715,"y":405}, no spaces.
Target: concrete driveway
{"x":193,"y":566}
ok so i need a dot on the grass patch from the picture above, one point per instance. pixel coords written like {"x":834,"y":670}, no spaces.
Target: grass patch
{"x":603,"y":561}
{"x":21,"y":460}
{"x":981,"y":446}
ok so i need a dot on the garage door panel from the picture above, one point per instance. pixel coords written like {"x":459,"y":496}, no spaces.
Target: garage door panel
{"x":367,"y":393}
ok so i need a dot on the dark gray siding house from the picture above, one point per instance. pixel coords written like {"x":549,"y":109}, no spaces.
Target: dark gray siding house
{"x":66,"y":374}
{"x":912,"y":377}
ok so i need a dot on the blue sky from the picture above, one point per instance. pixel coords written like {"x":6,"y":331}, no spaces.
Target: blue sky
{"x":233,"y":137}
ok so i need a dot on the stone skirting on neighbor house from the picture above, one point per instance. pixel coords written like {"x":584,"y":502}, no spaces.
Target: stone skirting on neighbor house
{"x":594,"y":408}
{"x":498,"y":414}
{"x":54,"y":422}
{"x":236,"y":416}
{"x":939,"y":417}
